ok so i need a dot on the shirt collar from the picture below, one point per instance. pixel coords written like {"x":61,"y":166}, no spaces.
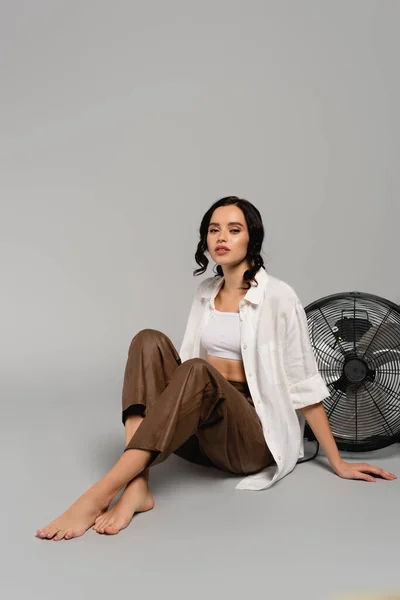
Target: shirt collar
{"x":254,"y":294}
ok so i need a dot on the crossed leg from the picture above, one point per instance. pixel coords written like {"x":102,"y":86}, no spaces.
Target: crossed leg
{"x":135,"y":498}
{"x":95,"y":501}
{"x":196,"y":398}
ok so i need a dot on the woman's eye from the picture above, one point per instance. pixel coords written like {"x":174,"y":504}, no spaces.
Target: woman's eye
{"x":235,"y":230}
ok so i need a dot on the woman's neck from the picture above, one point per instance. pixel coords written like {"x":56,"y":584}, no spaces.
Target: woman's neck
{"x":234,"y":284}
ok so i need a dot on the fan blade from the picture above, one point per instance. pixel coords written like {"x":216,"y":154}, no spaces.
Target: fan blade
{"x":378,"y":340}
{"x":330,"y":361}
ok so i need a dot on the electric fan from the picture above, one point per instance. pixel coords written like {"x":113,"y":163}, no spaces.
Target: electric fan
{"x":356,"y":341}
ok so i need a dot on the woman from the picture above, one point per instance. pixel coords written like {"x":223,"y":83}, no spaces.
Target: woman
{"x":236,"y":395}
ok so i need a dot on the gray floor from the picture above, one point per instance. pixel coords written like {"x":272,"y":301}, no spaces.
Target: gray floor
{"x":312,"y":536}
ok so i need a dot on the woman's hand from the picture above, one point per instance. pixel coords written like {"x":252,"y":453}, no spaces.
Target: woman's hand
{"x":361,"y":471}
{"x":316,"y":417}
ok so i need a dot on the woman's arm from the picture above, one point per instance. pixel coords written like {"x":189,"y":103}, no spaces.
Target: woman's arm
{"x":316,"y":417}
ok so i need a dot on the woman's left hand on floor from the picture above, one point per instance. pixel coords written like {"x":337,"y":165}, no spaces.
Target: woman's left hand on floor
{"x":361,"y":471}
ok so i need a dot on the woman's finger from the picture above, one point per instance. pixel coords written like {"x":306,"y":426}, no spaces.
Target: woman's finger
{"x":388,"y":475}
{"x":365,"y":476}
{"x":391,"y":474}
{"x":385,"y":474}
{"x":372,"y":469}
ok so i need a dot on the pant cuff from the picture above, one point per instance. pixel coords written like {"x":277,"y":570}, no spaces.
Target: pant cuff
{"x":133,"y":409}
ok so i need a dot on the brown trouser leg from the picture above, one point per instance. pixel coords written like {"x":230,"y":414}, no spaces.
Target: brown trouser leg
{"x":190,"y":409}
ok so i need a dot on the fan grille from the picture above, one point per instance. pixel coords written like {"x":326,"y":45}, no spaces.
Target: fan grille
{"x":356,"y":342}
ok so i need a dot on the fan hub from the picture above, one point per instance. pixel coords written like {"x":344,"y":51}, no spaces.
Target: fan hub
{"x":356,"y":370}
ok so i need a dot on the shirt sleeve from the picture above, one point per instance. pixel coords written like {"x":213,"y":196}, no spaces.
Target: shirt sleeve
{"x":306,"y":385}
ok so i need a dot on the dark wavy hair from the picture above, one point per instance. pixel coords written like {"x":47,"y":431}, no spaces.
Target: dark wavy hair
{"x":256,"y":237}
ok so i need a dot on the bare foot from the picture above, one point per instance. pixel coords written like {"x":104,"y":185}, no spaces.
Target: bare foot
{"x":76,"y":520}
{"x":136,"y":498}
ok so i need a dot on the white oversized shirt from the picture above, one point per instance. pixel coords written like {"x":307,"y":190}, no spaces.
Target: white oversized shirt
{"x":279,"y":364}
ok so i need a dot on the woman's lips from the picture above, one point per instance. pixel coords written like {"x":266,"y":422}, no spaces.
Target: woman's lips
{"x":222,"y":251}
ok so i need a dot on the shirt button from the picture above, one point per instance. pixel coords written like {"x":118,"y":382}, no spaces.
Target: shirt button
{"x":250,"y":374}
{"x":244,"y":346}
{"x":279,"y":458}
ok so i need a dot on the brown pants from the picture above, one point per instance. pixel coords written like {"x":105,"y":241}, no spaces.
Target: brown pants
{"x":190,"y":409}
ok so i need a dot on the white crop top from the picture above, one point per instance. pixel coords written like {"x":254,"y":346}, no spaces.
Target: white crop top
{"x":221,"y":336}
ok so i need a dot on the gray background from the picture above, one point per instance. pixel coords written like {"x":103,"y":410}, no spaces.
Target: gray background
{"x":121,"y":123}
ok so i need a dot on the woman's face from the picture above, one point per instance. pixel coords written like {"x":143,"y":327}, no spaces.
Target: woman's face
{"x":228,"y":228}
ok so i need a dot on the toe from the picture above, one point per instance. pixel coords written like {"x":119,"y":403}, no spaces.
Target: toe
{"x":59,"y":535}
{"x":49,"y":536}
{"x":111,"y":530}
{"x":78,"y":532}
{"x":43,"y":535}
{"x":98,"y":523}
{"x":47,"y":532}
{"x":54,"y":536}
{"x":105,"y":522}
{"x":50,"y":532}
